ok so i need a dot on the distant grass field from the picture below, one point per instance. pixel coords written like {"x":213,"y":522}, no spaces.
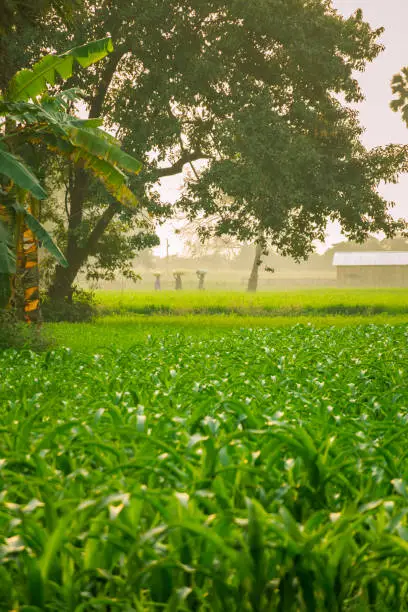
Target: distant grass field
{"x":127,"y":318}
{"x":317,"y":302}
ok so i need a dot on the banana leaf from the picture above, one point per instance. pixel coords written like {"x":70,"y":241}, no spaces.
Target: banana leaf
{"x":14,"y":170}
{"x":7,"y":256}
{"x":42,"y":235}
{"x":101,"y":145}
{"x":112,"y":177}
{"x":7,"y":264}
{"x":49,"y":114}
{"x":30,"y":83}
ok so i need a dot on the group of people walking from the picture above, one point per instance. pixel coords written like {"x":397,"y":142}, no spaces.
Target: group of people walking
{"x":178,"y":274}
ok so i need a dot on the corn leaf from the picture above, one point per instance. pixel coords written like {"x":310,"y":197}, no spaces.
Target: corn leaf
{"x":54,"y":543}
{"x":30,"y":83}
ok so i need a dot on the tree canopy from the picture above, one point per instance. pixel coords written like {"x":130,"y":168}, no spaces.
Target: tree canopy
{"x":254,"y":97}
{"x":16,"y":14}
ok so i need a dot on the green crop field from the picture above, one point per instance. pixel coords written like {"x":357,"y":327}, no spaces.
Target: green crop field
{"x":280,"y":303}
{"x":111,"y":332}
{"x":199,"y":467}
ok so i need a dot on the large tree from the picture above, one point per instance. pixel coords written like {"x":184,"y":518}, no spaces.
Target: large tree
{"x":255,"y":89}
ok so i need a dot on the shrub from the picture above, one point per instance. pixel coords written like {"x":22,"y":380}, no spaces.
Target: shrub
{"x":17,"y":334}
{"x":80,"y":308}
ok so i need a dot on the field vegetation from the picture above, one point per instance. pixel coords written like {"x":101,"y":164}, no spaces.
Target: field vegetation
{"x":316,"y":302}
{"x":196,"y":450}
{"x":250,"y":470}
{"x":124,"y":331}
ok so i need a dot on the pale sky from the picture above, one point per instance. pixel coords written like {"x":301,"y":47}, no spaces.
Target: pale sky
{"x":381,"y":124}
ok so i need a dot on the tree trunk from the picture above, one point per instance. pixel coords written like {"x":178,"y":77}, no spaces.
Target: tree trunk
{"x":64,"y":278}
{"x":30,"y":274}
{"x":7,"y":277}
{"x":61,"y":287}
{"x":253,"y":279}
{"x":77,"y":256}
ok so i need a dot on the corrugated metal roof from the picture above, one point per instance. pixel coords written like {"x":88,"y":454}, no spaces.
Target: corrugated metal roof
{"x":371,"y":258}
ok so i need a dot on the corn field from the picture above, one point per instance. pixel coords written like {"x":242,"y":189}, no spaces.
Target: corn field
{"x":255,"y":471}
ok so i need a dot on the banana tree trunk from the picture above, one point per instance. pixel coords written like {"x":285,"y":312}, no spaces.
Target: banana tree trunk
{"x":30,"y":275}
{"x":24,"y":282}
{"x":253,"y":279}
{"x":7,"y":269}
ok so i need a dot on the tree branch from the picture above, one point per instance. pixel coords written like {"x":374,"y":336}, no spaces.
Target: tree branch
{"x":100,"y":227}
{"x":177,"y":167}
{"x":106,"y":79}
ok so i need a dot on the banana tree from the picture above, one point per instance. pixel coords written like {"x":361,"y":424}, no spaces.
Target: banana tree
{"x":32,"y":116}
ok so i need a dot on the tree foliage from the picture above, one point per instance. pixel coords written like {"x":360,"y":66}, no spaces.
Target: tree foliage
{"x":400,"y":91}
{"x":15,"y":14}
{"x":24,"y":25}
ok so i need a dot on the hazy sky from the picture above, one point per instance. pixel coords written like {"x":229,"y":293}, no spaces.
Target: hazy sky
{"x":381,"y":124}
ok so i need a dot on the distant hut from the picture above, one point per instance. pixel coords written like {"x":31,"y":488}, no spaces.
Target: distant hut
{"x":372,"y":268}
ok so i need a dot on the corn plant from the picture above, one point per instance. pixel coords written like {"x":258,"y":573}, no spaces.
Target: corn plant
{"x":257,"y":470}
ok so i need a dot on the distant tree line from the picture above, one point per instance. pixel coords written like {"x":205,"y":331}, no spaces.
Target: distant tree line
{"x":218,"y":255}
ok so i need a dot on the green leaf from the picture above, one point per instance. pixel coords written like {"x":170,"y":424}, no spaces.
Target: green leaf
{"x":91,"y":52}
{"x":102,"y":145}
{"x":16,"y":171}
{"x":53,"y":544}
{"x":7,"y":260}
{"x":7,"y":256}
{"x":207,"y":534}
{"x":112,"y":177}
{"x":35,"y":586}
{"x":30,"y":83}
{"x":50,"y":111}
{"x":179,"y":598}
{"x":47,"y":242}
